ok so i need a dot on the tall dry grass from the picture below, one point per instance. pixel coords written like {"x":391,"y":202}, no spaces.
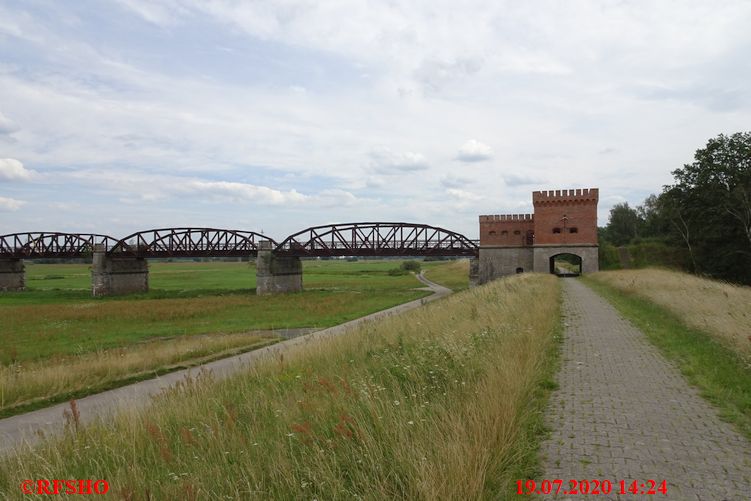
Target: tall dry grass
{"x":431,"y":404}
{"x":718,"y":308}
{"x":28,"y":382}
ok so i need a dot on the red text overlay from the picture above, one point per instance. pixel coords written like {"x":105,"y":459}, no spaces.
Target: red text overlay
{"x":57,"y":486}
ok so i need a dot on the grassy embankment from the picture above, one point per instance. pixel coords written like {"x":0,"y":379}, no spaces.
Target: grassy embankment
{"x":60,"y":343}
{"x":443,"y":402}
{"x":451,"y":274}
{"x":703,"y":325}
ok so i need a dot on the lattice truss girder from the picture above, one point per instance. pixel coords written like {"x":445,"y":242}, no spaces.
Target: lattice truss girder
{"x":350,"y":239}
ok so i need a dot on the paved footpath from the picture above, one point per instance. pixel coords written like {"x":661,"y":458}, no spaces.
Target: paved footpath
{"x":622,"y":412}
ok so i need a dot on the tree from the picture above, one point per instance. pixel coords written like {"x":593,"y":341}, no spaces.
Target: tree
{"x":709,"y":205}
{"x":623,"y":224}
{"x":721,"y":175}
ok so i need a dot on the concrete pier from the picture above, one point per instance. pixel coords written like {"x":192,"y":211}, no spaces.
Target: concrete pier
{"x":12,"y":275}
{"x":111,"y":276}
{"x":276,"y":274}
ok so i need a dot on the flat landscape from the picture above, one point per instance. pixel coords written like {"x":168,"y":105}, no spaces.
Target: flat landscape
{"x":353,"y":416}
{"x":56,"y":341}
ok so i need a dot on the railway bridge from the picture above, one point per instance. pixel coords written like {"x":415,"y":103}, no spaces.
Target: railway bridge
{"x":120,"y":266}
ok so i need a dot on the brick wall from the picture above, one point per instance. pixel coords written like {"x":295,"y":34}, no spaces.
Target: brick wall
{"x":509,"y":230}
{"x":565,"y":217}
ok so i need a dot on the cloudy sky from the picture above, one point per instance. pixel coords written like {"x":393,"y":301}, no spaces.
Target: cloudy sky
{"x":117,"y":116}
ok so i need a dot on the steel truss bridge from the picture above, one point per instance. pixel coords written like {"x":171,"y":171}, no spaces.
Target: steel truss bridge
{"x":372,"y":239}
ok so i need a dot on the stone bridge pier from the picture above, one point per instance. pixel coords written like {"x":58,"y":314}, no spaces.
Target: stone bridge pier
{"x":276,"y":274}
{"x":112,"y":276}
{"x":12,"y":275}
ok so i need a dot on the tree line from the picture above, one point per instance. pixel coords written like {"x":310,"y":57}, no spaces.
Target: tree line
{"x":701,"y":222}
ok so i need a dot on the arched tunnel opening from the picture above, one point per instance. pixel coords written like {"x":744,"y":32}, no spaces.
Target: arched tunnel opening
{"x":566,"y":265}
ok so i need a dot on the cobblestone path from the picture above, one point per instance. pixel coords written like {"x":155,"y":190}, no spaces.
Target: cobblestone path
{"x":622,"y":412}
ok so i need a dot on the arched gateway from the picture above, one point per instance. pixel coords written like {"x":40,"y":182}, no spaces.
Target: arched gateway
{"x":564,"y":223}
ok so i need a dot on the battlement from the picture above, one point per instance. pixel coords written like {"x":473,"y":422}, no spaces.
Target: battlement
{"x":506,"y":218}
{"x":577,"y":195}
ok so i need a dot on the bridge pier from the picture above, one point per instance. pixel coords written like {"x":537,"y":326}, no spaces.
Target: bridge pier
{"x":111,"y":276}
{"x":12,"y":275}
{"x":276,"y":274}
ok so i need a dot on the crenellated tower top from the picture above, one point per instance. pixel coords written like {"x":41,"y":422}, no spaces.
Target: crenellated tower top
{"x":563,"y":197}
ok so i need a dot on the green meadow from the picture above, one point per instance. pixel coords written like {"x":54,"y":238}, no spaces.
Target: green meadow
{"x":56,"y":340}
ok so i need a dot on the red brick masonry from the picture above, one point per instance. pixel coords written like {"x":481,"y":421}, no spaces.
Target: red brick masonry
{"x":561,"y":217}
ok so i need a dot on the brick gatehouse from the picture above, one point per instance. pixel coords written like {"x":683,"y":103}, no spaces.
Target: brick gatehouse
{"x":564,"y":222}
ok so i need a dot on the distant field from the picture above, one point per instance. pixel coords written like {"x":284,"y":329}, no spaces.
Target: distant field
{"x":56,"y":325}
{"x":186,"y":298}
{"x":442,"y":402}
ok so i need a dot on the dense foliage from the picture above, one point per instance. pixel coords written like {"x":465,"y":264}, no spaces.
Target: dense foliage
{"x":705,"y":215}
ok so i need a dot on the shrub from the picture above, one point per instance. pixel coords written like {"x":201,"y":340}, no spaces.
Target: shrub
{"x":411,"y":265}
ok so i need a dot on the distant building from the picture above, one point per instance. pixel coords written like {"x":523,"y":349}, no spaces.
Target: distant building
{"x":564,"y":223}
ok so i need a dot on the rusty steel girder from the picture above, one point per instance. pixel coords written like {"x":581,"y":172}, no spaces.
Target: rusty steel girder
{"x":377,"y":239}
{"x":189,"y":242}
{"x":32,"y":245}
{"x":371,"y":239}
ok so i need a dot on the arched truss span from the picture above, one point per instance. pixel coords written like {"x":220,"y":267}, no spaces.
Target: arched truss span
{"x":32,"y":245}
{"x":377,"y":239}
{"x":190,"y":242}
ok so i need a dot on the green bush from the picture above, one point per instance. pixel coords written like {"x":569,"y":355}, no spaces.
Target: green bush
{"x":411,"y":265}
{"x":609,"y":257}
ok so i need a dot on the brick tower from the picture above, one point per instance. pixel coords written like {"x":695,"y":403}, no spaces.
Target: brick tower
{"x":564,"y":222}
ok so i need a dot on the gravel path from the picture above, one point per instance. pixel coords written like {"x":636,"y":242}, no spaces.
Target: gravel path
{"x":622,"y":412}
{"x":16,"y":430}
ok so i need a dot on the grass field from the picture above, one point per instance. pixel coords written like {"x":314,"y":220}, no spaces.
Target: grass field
{"x":702,"y":325}
{"x":443,"y":402}
{"x":53,"y":336}
{"x":452,"y":274}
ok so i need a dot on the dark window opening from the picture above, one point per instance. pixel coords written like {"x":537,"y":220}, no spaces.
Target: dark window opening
{"x":517,"y":232}
{"x":504,"y":232}
{"x":520,"y":270}
{"x":556,"y":230}
{"x":574,"y":230}
{"x":491,"y":233}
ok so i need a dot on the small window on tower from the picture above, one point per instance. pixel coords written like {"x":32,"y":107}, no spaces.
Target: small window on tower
{"x":491,"y":233}
{"x":517,"y":232}
{"x":504,"y":232}
{"x":556,"y":230}
{"x":574,"y":230}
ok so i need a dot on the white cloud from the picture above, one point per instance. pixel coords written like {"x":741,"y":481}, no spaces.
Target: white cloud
{"x":335,"y":198}
{"x":522,"y":180}
{"x":385,"y":161}
{"x":610,"y":94}
{"x":7,"y":126}
{"x":13,"y":170}
{"x":474,"y":151}
{"x":242,"y":192}
{"x":461,"y":194}
{"x":162,"y":13}
{"x":453,"y":181}
{"x":10,"y":204}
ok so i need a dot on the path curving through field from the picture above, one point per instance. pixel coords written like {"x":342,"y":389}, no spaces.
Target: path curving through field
{"x":622,"y":412}
{"x":28,"y":427}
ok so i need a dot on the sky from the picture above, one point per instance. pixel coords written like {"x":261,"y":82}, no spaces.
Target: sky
{"x":273,"y":116}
